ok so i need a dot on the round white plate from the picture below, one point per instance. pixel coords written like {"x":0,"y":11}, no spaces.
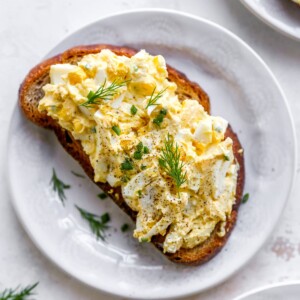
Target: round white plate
{"x":290,"y":291}
{"x":282,"y":15}
{"x":242,"y":89}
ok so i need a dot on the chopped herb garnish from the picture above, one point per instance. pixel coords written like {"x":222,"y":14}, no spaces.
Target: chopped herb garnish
{"x":124,"y":227}
{"x":143,"y":167}
{"x":77,"y":174}
{"x":125,"y":178}
{"x":59,"y":187}
{"x":137,"y":155}
{"x":98,"y":224}
{"x":226,"y":157}
{"x":116,"y":129}
{"x":144,"y":240}
{"x":105,"y":218}
{"x":102,"y":196}
{"x":163,"y":111}
{"x":139,"y":147}
{"x":133,"y":110}
{"x":103,"y":93}
{"x":160,"y":117}
{"x":18,"y":293}
{"x":158,"y":120}
{"x":127,"y":165}
{"x":140,"y":150}
{"x":154,"y":98}
{"x":170,"y":162}
{"x":139,"y":193}
{"x":93,"y":130}
{"x":245,"y":198}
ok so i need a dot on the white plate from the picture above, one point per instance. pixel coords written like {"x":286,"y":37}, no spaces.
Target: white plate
{"x":282,"y":15}
{"x":241,"y":88}
{"x":289,"y":291}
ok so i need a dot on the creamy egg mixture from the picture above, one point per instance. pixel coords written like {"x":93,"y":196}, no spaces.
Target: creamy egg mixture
{"x":124,"y":138}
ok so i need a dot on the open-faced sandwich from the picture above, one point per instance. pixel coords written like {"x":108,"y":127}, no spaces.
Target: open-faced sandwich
{"x":142,"y":132}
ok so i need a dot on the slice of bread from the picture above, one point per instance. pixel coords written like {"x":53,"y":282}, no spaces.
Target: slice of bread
{"x":31,"y":93}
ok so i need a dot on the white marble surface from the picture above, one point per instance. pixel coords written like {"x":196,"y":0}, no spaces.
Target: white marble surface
{"x":29,"y":29}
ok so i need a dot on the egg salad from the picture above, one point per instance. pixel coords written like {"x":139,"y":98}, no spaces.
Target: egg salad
{"x":170,"y":158}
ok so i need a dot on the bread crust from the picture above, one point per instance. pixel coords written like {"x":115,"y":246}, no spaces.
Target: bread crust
{"x":30,"y":93}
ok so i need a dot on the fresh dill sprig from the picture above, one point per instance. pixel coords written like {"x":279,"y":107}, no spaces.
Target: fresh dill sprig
{"x":154,"y":98}
{"x":22,"y":294}
{"x":170,"y":162}
{"x":103,"y":93}
{"x":59,"y":187}
{"x":98,"y":224}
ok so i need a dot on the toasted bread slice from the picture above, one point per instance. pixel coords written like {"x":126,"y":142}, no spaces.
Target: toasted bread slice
{"x":31,"y":93}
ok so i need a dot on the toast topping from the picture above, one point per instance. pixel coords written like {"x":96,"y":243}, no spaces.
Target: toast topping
{"x":170,"y":158}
